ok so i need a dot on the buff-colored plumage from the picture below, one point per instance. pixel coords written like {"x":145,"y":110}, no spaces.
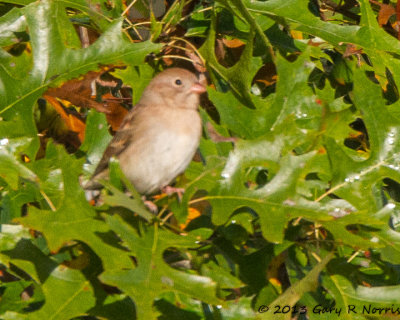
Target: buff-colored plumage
{"x":159,"y":136}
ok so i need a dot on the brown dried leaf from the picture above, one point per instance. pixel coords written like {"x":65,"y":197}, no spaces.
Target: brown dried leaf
{"x":385,"y":12}
{"x":398,"y":10}
{"x":115,"y":111}
{"x":351,"y":49}
{"x":79,"y":92}
{"x":228,"y":52}
{"x":167,"y":52}
{"x":198,"y":64}
{"x":220,"y":52}
{"x":216,"y":137}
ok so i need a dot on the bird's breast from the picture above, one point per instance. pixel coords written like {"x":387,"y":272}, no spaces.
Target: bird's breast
{"x":162,"y":150}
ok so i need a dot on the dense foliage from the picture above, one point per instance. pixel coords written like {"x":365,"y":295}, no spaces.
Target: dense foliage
{"x":290,"y":206}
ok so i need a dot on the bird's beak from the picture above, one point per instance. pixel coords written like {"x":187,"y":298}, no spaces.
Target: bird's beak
{"x":198,"y":88}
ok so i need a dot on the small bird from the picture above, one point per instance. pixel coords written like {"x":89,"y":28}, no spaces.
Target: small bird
{"x":158,"y":138}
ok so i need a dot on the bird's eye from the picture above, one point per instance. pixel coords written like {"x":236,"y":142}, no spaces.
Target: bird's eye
{"x":178,"y":82}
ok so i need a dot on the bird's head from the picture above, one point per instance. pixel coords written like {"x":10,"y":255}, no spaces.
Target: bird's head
{"x":176,"y":87}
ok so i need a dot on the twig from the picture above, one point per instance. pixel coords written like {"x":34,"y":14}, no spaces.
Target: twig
{"x":338,"y":8}
{"x":128,"y":7}
{"x":51,"y":205}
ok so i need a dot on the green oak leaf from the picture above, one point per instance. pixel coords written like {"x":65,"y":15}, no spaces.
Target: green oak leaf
{"x":74,"y":219}
{"x":152,"y":276}
{"x":240,"y":76}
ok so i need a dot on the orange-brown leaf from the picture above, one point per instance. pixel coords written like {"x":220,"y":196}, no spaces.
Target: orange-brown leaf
{"x":233,"y":43}
{"x":73,"y":122}
{"x":193,"y":214}
{"x":385,"y":12}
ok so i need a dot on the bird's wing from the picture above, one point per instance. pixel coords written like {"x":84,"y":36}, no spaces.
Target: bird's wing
{"x":121,"y":139}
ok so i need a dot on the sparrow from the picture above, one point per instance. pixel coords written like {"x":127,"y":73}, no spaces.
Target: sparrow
{"x":159,"y":136}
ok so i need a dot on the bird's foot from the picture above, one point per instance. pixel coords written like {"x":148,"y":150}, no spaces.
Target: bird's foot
{"x":168,"y":190}
{"x":150,"y":205}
